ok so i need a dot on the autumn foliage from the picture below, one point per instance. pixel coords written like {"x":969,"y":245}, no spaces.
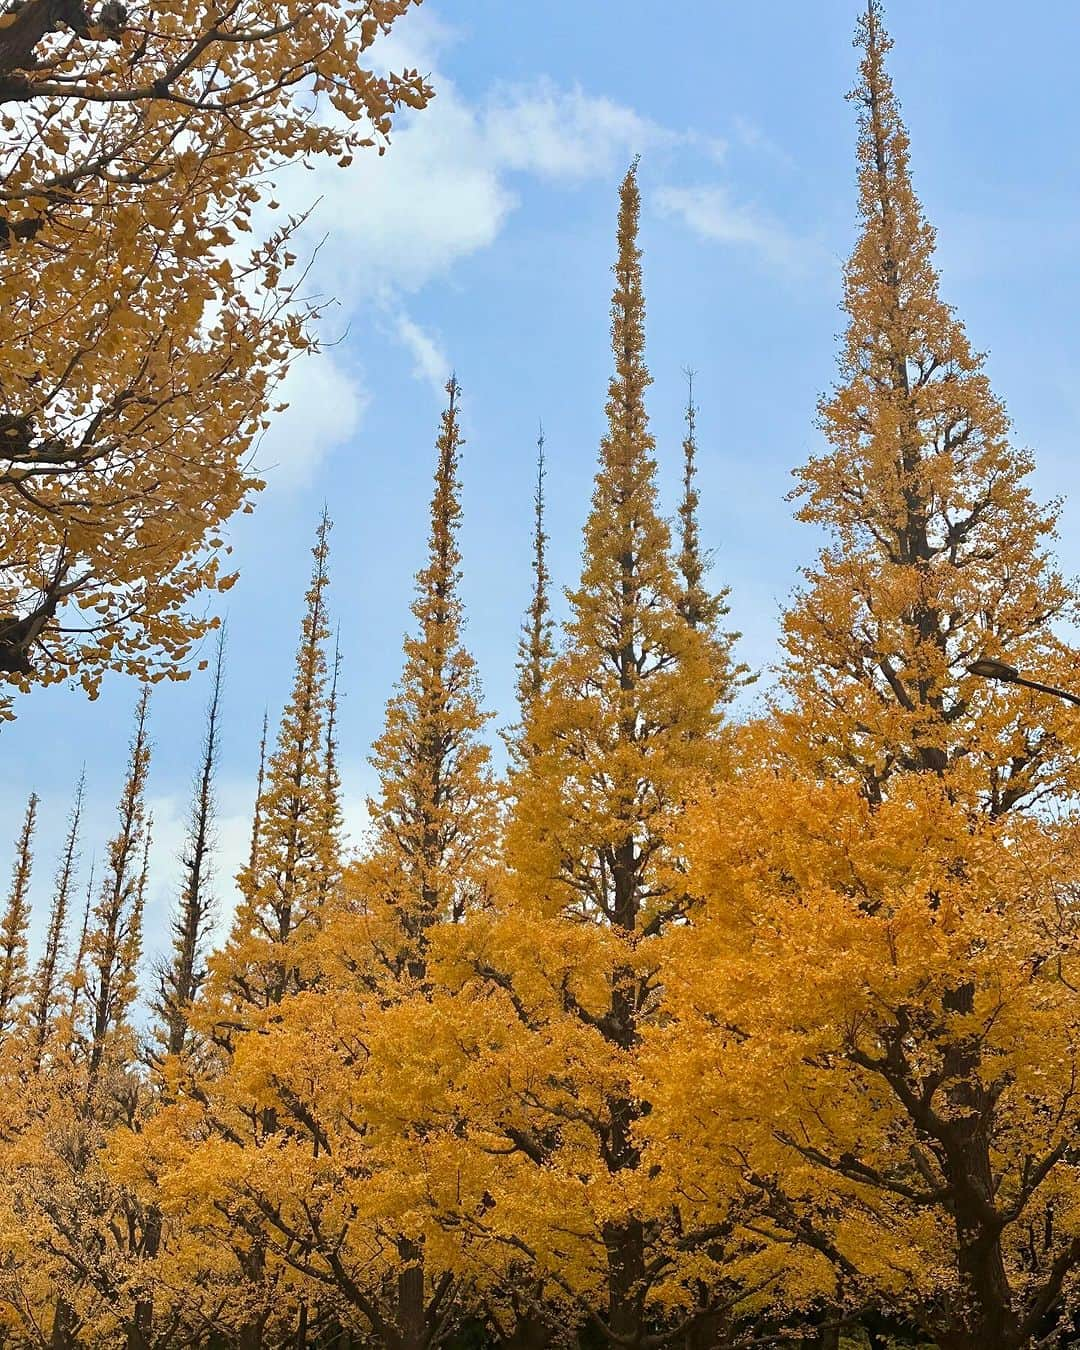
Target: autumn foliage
{"x":149,"y":304}
{"x":682,"y":1030}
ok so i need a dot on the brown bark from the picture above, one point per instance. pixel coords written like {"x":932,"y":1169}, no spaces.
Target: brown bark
{"x":412,"y":1319}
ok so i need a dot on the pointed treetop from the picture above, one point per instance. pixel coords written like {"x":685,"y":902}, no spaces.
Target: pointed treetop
{"x":937,"y":550}
{"x":47,"y":975}
{"x":76,"y":976}
{"x":631,"y":708}
{"x":626,"y":540}
{"x":260,"y":781}
{"x":692,"y":565}
{"x":180,"y":980}
{"x":13,"y":925}
{"x":114,"y":940}
{"x":330,"y":808}
{"x":535,"y":646}
{"x":630,"y":379}
{"x":283,"y":884}
{"x":890,"y":278}
{"x":436,"y":586}
{"x":434,"y":815}
{"x":702,"y":608}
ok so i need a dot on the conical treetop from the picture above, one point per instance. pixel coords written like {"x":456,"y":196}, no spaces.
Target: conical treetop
{"x":938,"y":551}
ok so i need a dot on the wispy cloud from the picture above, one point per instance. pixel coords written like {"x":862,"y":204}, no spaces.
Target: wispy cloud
{"x":711,"y":211}
{"x":430,"y":362}
{"x":326,"y":407}
{"x":454,"y":175}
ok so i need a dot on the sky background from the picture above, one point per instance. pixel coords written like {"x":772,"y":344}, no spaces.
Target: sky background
{"x":483,"y":242}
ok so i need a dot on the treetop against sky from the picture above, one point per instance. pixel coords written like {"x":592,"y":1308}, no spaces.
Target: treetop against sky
{"x":482,"y":244}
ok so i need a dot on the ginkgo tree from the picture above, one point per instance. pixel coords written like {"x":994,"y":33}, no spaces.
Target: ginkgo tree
{"x":559,"y":978}
{"x":882,"y":968}
{"x":676,"y":1036}
{"x":876,"y":1008}
{"x":937,"y":552}
{"x":142,"y":344}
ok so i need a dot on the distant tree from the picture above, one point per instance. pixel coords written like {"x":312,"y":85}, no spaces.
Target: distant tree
{"x":295,"y":850}
{"x":45,"y":990}
{"x":14,"y":923}
{"x":182,"y":977}
{"x":564,"y":970}
{"x":536,"y":646}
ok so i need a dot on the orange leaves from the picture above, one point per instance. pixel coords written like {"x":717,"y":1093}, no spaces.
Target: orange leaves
{"x":937,"y":551}
{"x":859,"y":987}
{"x":134,"y":165}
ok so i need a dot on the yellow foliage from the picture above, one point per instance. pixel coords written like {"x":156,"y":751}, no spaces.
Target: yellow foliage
{"x":141,"y":350}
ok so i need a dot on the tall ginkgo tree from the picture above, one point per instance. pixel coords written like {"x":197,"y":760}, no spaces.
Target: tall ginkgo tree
{"x":232,"y":1099}
{"x":15,"y":923}
{"x":295,"y":850}
{"x":884,"y":960}
{"x":358,"y":1238}
{"x":937,"y":550}
{"x":564,"y":972}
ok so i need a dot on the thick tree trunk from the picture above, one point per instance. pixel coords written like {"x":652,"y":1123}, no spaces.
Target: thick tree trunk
{"x":63,"y":1326}
{"x":987,"y":1319}
{"x":711,"y":1331}
{"x":625,"y":1243}
{"x":529,"y":1333}
{"x":141,"y":1327}
{"x":301,"y":1340}
{"x":412,"y":1319}
{"x":250,"y":1336}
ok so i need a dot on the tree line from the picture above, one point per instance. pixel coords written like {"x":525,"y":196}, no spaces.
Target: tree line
{"x":685,"y":1030}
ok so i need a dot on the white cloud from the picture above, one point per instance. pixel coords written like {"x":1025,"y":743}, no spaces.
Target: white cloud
{"x":450,"y":182}
{"x":326,"y":404}
{"x":415,"y":42}
{"x":564,"y":134}
{"x":710,"y":211}
{"x":446,"y":189}
{"x":430,"y":362}
{"x":753,"y":137}
{"x":397,"y":221}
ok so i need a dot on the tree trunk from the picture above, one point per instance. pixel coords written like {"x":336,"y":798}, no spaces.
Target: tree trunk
{"x":141,"y":1327}
{"x":625,"y":1243}
{"x":61,"y":1337}
{"x":412,"y":1320}
{"x":254,"y":1263}
{"x":529,"y":1333}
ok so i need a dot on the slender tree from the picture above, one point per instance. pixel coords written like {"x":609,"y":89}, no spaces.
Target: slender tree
{"x":180,"y":981}
{"x":283,"y":886}
{"x":629,"y":714}
{"x":260,"y":783}
{"x":13,"y":925}
{"x":434,"y":816}
{"x":332,"y":821}
{"x":937,"y":553}
{"x":433,"y":837}
{"x":114,"y":938}
{"x":268,"y":960}
{"x":76,"y":975}
{"x":536,"y":647}
{"x":696,"y":606}
{"x":48,"y":973}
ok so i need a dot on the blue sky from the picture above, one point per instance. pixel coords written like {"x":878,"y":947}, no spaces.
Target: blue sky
{"x":483,"y":242}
